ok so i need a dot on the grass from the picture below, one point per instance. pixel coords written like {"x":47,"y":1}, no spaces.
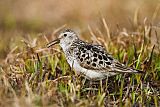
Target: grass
{"x":33,"y":75}
{"x":37,"y":76}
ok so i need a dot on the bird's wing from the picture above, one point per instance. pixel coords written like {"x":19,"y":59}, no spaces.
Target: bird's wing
{"x":95,"y":57}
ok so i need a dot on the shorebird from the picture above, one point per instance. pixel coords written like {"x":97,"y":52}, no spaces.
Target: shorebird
{"x":91,"y":60}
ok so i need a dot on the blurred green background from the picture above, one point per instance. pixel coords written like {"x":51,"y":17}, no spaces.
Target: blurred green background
{"x":19,"y":18}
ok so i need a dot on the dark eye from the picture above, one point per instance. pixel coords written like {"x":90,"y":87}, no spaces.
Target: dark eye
{"x":65,"y":35}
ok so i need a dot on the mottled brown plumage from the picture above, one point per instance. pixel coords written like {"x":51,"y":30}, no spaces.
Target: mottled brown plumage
{"x":91,"y":60}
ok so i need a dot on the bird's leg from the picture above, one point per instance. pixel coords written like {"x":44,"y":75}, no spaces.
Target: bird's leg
{"x":73,"y":77}
{"x":106,"y":87}
{"x":101,"y":85}
{"x":107,"y":81}
{"x":93,"y":86}
{"x":84,"y":81}
{"x":90,"y":83}
{"x":72,"y":66}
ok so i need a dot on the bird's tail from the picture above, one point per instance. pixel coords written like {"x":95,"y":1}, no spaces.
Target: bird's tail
{"x":121,"y":68}
{"x":136,"y":70}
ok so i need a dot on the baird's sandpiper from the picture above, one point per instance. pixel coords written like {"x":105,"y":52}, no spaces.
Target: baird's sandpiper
{"x":91,"y":60}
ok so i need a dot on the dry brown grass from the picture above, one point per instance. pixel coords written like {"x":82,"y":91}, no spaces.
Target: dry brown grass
{"x":32,"y":75}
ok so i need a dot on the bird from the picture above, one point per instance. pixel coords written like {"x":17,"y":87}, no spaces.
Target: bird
{"x":91,"y":60}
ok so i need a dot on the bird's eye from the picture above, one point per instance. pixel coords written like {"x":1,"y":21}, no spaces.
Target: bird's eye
{"x":65,"y":35}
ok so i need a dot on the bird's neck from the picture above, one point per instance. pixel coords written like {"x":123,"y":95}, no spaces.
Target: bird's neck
{"x":65,"y":46}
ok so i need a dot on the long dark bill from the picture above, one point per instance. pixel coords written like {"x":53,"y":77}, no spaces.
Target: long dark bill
{"x":53,"y":43}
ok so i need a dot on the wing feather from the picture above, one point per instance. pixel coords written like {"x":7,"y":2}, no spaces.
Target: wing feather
{"x":95,"y":57}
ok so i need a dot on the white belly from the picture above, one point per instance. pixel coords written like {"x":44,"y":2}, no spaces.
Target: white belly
{"x":90,"y":74}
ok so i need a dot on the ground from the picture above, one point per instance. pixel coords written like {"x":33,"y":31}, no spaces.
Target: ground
{"x":33,"y":75}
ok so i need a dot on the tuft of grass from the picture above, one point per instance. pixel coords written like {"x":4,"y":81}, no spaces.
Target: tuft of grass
{"x":33,"y":75}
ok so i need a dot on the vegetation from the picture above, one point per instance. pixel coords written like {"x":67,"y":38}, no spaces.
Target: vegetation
{"x":33,"y":75}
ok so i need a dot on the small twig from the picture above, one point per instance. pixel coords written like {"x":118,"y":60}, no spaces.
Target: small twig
{"x":62,"y":77}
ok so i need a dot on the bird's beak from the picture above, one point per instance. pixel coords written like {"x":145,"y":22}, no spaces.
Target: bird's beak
{"x":53,"y":43}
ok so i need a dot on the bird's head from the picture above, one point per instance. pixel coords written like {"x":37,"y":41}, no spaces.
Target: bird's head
{"x":65,"y":38}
